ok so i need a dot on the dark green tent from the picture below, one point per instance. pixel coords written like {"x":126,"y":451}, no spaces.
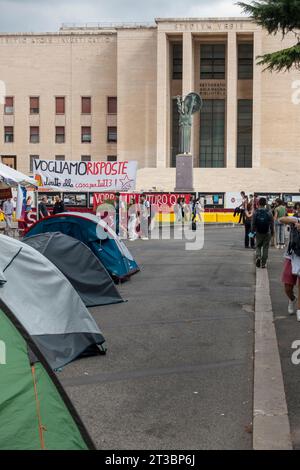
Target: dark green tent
{"x":35,"y":412}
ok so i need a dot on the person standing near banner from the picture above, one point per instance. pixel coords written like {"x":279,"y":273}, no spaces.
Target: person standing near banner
{"x":144,"y":217}
{"x":59,"y":206}
{"x":8,"y":209}
{"x":43,"y":211}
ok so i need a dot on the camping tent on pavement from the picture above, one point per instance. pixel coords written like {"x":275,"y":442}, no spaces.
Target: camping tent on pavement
{"x":94,"y":233}
{"x":79,"y":264}
{"x":46,"y":304}
{"x":35,"y":412}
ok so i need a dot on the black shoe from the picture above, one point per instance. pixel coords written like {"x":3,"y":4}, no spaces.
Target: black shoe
{"x":258,"y":263}
{"x":263,"y":266}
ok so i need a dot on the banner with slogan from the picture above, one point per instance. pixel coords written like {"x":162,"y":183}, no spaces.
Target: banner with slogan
{"x":160,"y":200}
{"x":85,"y":176}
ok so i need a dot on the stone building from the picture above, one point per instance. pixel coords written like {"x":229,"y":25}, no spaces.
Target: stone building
{"x":109,"y":92}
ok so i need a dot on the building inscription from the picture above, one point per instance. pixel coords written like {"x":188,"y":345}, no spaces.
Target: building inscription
{"x":213,"y":26}
{"x":212,"y":89}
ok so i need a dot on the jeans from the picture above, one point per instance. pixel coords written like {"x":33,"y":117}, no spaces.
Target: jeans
{"x":279,"y":233}
{"x":247,"y":231}
{"x":262,"y":246}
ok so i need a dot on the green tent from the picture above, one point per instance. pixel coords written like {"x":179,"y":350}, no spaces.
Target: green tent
{"x":35,"y":412}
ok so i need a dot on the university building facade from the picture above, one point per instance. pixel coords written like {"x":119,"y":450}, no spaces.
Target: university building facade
{"x":109,"y":93}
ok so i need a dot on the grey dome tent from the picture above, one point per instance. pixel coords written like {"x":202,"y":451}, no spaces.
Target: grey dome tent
{"x":79,"y":264}
{"x":46,"y":304}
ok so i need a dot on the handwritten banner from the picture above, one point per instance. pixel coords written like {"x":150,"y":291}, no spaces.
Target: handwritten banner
{"x":85,"y":176}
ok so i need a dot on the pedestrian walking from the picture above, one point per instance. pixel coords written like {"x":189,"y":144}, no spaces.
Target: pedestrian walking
{"x":8,"y":209}
{"x":263,"y":227}
{"x":243,"y":207}
{"x":291,"y":267}
{"x":249,"y":238}
{"x":279,"y":212}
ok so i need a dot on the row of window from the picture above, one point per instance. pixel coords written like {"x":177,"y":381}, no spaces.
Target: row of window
{"x":11,"y":161}
{"x":60,"y":105}
{"x":212,"y":134}
{"x":60,"y":134}
{"x":213,"y":63}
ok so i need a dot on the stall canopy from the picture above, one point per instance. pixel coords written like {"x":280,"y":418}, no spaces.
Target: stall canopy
{"x":11,"y":177}
{"x":35,"y":412}
{"x":94,"y":233}
{"x":79,"y":264}
{"x":46,"y":304}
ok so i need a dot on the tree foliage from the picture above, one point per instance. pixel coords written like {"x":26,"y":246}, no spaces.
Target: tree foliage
{"x":277,"y":16}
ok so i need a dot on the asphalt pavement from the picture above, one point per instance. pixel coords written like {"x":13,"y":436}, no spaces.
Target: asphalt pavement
{"x":288,"y":331}
{"x":178,"y":373}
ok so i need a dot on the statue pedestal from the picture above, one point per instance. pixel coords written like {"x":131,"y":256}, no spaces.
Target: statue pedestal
{"x":184,"y":173}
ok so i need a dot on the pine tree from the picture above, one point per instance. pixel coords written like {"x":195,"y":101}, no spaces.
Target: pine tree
{"x":277,"y":16}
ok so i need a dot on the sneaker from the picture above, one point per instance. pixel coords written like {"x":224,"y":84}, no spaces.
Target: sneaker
{"x":144,"y":238}
{"x":292,"y":306}
{"x":298,"y":315}
{"x":263,"y":266}
{"x":258,"y":263}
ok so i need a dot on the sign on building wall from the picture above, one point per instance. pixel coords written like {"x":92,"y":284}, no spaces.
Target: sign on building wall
{"x":212,"y":89}
{"x":85,"y":176}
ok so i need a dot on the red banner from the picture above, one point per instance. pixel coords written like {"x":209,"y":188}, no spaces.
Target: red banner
{"x":160,"y":200}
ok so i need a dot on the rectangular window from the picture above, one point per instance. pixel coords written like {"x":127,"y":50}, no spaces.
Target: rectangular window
{"x":60,"y":158}
{"x":212,"y":134}
{"x":245,"y":61}
{"x":34,"y":105}
{"x":212,"y":61}
{"x":112,"y":105}
{"x":8,"y":134}
{"x":9,"y":105}
{"x":34,"y":137}
{"x":31,"y":159}
{"x":86,"y":135}
{"x":112,"y":158}
{"x":177,"y":62}
{"x":60,"y":105}
{"x":244,"y":134}
{"x":60,"y":136}
{"x":85,"y":158}
{"x":112,"y":134}
{"x":175,"y":133}
{"x":9,"y":161}
{"x":86,"y":105}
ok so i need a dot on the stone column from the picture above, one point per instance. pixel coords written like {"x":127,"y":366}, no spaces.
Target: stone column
{"x":231,"y":120}
{"x":163,"y":99}
{"x":257,"y":71}
{"x":187,"y":63}
{"x":188,"y":71}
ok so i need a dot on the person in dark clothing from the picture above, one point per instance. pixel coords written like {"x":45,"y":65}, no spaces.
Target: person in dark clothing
{"x":263,"y":226}
{"x":43,"y":211}
{"x":59,"y":206}
{"x":248,"y":222}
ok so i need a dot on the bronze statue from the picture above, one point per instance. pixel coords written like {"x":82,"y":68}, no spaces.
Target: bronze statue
{"x":187,"y":106}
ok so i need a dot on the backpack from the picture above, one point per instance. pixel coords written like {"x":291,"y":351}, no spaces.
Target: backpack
{"x":294,"y":244}
{"x":262,"y":221}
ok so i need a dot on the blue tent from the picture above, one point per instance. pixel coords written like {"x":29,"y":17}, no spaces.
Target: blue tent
{"x":94,"y":233}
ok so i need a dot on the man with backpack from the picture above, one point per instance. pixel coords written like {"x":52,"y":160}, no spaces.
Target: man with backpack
{"x":291,"y":269}
{"x":263,"y":226}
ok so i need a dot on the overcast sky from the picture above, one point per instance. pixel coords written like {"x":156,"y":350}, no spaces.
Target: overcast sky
{"x":48,"y":15}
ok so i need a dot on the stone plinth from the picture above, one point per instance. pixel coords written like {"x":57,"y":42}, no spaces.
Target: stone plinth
{"x":184,"y":173}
